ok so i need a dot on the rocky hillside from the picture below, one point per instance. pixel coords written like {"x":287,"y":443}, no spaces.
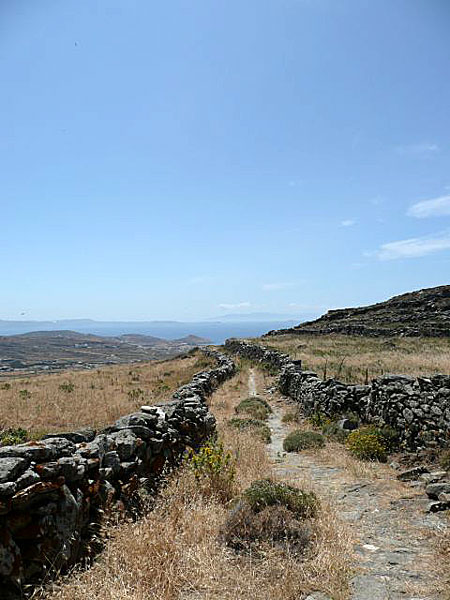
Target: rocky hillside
{"x":424,"y":312}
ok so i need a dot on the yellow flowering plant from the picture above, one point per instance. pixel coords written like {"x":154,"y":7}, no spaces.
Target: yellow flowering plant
{"x":214,"y":469}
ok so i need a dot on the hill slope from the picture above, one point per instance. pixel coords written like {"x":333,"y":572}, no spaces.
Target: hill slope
{"x":424,"y":312}
{"x":53,"y":350}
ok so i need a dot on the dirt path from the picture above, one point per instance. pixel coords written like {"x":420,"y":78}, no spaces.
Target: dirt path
{"x":392,"y":533}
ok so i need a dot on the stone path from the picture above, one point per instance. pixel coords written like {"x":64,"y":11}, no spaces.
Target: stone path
{"x":391,"y":530}
{"x":251,"y":383}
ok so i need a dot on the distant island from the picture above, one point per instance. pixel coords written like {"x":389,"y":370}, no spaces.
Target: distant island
{"x":216,"y":329}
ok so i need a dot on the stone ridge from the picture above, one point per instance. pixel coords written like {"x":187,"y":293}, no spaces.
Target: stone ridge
{"x":421,"y":313}
{"x":53,"y":492}
{"x":418,"y":408}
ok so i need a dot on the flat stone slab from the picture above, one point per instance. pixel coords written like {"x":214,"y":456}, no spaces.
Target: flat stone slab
{"x":369,"y":587}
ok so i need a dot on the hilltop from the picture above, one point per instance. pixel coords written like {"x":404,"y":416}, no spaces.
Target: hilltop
{"x":420,"y":313}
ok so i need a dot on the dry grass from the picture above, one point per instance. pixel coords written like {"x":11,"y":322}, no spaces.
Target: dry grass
{"x":44,"y":403}
{"x":176,"y":552}
{"x":355,"y":358}
{"x":442,"y":543}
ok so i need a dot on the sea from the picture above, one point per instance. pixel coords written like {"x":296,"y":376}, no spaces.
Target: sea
{"x":215,"y":331}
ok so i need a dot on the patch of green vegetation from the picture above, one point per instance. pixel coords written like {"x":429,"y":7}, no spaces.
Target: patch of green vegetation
{"x":256,"y":425}
{"x":368,"y":443}
{"x":214,"y":469}
{"x":5,"y":386}
{"x":333,"y":431}
{"x":318,"y":419}
{"x":11,"y":436}
{"x":303,"y":440}
{"x":266,"y":492}
{"x":257,"y":407}
{"x":25,"y":394}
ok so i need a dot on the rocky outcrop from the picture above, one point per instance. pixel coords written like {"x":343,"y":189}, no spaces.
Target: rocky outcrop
{"x":418,"y":408}
{"x":421,"y":313}
{"x":54,"y":492}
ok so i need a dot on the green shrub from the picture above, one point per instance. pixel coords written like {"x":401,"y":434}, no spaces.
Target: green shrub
{"x":214,"y":470}
{"x":367,"y":443}
{"x":318,"y":419}
{"x":254,"y":406}
{"x":335,"y":432}
{"x":259,"y":427}
{"x":11,"y":436}
{"x":390,"y":437}
{"x":24,"y":394}
{"x":265,"y":492}
{"x":302,"y":440}
{"x":5,"y":386}
{"x":269,"y":369}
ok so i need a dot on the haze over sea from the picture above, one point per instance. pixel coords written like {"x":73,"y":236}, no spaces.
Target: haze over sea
{"x":216,"y":331}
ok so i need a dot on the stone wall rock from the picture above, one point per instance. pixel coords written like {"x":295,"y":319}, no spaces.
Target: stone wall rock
{"x":53,"y":492}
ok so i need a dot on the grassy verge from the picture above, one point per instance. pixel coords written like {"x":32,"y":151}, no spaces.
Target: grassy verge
{"x":76,"y":399}
{"x":177,"y":551}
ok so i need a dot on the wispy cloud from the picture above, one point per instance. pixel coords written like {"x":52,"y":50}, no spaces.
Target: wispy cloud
{"x":348,"y":223}
{"x":435,"y":207}
{"x":237,"y":306}
{"x":280,"y":285}
{"x":421,"y":150}
{"x":414,"y":247}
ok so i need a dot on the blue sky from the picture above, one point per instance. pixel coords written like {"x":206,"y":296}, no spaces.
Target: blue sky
{"x":185,"y":159}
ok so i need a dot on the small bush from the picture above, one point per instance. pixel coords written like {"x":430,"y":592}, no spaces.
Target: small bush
{"x":265,"y":492}
{"x":269,"y":369}
{"x":335,"y":432}
{"x":389,"y":437}
{"x":259,"y":427}
{"x":213,"y":469}
{"x":318,"y":419}
{"x":5,"y":386}
{"x":302,"y":440}
{"x":24,"y":394}
{"x":254,"y":406}
{"x":367,"y":443}
{"x":11,"y":436}
{"x":277,"y":525}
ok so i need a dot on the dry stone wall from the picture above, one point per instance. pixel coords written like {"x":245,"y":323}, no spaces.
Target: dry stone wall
{"x":418,"y":408}
{"x":54,"y":492}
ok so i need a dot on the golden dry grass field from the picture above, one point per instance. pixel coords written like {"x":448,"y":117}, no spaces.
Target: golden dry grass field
{"x":75,"y":399}
{"x":176,"y":552}
{"x":354,"y":359}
